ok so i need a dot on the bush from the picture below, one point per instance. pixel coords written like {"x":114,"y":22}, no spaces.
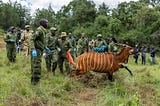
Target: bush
{"x":1,"y":32}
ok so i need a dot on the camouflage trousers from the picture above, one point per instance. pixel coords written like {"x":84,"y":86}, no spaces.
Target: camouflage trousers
{"x":11,"y":53}
{"x":51,"y":61}
{"x":36,"y":67}
{"x":61,"y":60}
{"x":25,"y":50}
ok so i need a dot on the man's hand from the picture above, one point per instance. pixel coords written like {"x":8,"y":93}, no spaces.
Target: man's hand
{"x":59,"y":49}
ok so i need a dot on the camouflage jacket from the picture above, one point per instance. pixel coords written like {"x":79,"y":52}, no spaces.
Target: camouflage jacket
{"x":99,"y":43}
{"x":64,"y":45}
{"x":25,"y":38}
{"x":72,"y":41}
{"x":38,"y":39}
{"x":83,"y":43}
{"x":112,"y":47}
{"x":52,"y":42}
{"x":8,"y":37}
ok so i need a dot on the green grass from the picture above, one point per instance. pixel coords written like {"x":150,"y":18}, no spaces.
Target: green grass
{"x":93,"y":89}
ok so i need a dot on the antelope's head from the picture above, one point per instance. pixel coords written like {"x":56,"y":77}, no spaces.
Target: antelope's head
{"x":126,"y":47}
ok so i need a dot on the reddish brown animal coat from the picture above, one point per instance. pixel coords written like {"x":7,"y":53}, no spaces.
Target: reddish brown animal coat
{"x":101,"y":62}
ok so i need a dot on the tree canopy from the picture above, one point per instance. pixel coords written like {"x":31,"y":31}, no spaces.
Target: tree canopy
{"x":137,"y":22}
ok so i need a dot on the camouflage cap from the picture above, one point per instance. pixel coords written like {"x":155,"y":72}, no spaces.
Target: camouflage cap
{"x":63,"y":34}
{"x":27,"y":26}
{"x":99,"y":35}
{"x":53,"y":28}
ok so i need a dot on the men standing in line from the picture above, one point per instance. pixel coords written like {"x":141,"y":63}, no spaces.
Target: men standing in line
{"x":25,"y":40}
{"x":10,"y":39}
{"x":64,"y":45}
{"x":52,"y":43}
{"x":82,"y":44}
{"x":37,"y":45}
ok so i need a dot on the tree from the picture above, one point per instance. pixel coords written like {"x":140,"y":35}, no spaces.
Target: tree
{"x":103,"y":10}
{"x":12,"y":14}
{"x":49,"y":14}
{"x":115,"y":26}
{"x":101,"y":23}
{"x":76,"y":13}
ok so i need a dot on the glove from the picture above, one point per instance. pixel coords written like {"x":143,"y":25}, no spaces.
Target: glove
{"x":59,"y":49}
{"x":34,"y":53}
{"x":44,"y":55}
{"x":48,"y":50}
{"x":12,"y":40}
{"x":74,"y":50}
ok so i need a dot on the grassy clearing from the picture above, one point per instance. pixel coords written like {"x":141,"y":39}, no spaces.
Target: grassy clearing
{"x":92,"y":90}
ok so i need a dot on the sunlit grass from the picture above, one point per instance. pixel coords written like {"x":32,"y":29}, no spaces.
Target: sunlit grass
{"x":140,"y":89}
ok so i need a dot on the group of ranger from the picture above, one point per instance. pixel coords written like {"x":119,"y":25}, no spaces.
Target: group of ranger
{"x":52,"y":47}
{"x":14,"y":39}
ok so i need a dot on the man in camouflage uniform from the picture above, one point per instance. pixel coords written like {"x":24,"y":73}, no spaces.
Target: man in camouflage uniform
{"x":52,"y":58}
{"x":10,"y":40}
{"x":37,"y":45}
{"x":73,"y":43}
{"x":82,"y":44}
{"x":99,"y":42}
{"x":64,"y":45}
{"x":112,"y":46}
{"x":25,"y":40}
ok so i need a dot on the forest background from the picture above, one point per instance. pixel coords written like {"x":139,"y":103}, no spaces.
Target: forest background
{"x":133,"y":22}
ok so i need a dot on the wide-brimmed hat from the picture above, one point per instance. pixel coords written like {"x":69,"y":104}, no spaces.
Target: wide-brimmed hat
{"x":99,"y":35}
{"x":53,"y":28}
{"x":27,"y":26}
{"x":63,"y":34}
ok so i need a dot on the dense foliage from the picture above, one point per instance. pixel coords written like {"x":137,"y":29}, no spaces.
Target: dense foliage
{"x":136,"y":22}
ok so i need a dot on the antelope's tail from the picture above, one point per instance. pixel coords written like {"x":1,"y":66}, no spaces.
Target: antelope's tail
{"x":70,"y":59}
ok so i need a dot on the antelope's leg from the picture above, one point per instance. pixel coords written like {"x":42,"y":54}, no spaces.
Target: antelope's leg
{"x":122,"y":66}
{"x":110,"y":77}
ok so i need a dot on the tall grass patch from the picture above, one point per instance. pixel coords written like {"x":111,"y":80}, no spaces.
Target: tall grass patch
{"x":94,"y":89}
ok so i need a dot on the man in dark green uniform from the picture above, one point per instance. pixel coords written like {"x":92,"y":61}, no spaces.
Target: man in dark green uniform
{"x":112,"y":46}
{"x":82,"y":44}
{"x":10,"y":40}
{"x":37,"y":45}
{"x":52,"y":58}
{"x":73,"y":43}
{"x":64,"y":45}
